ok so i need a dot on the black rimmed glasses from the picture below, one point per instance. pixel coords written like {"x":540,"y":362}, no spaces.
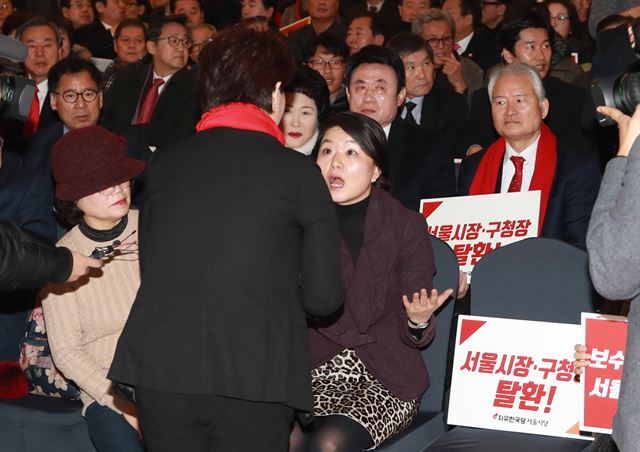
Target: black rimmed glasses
{"x":318,"y":63}
{"x":174,"y":41}
{"x":71,"y":97}
{"x":446,"y":41}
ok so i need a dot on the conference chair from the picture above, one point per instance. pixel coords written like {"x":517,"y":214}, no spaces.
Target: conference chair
{"x":535,"y":279}
{"x":430,"y":423}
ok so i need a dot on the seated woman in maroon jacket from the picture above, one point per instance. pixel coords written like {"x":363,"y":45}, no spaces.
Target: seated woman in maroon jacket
{"x":368,"y":374}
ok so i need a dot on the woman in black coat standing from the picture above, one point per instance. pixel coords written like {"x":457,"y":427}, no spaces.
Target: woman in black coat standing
{"x":239,"y":240}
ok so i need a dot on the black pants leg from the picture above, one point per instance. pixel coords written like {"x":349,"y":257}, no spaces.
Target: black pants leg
{"x":172,"y":422}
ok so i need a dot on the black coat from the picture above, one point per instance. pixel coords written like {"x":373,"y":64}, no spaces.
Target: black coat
{"x":174,"y":116}
{"x":97,"y":39}
{"x":389,"y":15}
{"x":565,"y":109}
{"x":239,"y":239}
{"x":483,"y":49}
{"x":419,"y":165}
{"x":573,"y":192}
{"x":28,"y":261}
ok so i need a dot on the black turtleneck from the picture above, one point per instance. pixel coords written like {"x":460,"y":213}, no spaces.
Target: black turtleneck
{"x":103,"y":236}
{"x":351,"y":224}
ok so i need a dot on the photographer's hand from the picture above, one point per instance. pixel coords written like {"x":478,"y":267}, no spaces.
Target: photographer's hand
{"x":628,"y":127}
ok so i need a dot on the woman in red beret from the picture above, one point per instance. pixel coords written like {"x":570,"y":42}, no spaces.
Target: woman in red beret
{"x":84,"y":319}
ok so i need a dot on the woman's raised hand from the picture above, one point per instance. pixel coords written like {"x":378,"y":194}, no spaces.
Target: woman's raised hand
{"x":423,"y":305}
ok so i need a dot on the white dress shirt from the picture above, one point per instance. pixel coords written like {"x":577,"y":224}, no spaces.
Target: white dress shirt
{"x":43,"y":89}
{"x":377,"y":7}
{"x":464,"y":43}
{"x":509,"y":169}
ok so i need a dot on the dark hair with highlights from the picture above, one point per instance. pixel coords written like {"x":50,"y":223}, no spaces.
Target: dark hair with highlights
{"x":369,"y":136}
{"x":310,"y":83}
{"x":244,"y":65}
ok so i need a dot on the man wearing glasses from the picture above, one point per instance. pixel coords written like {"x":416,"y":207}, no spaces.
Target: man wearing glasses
{"x":156,"y":103}
{"x":454,"y":72}
{"x":328,"y":56}
{"x":76,"y":97}
{"x":78,"y":12}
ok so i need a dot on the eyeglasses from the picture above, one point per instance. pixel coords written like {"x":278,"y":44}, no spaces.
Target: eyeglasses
{"x":174,"y":41}
{"x":70,"y":96}
{"x":559,"y":17}
{"x":319,"y":64}
{"x":434,"y":42}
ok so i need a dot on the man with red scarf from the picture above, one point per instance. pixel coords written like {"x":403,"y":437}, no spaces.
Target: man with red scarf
{"x":527,"y":157}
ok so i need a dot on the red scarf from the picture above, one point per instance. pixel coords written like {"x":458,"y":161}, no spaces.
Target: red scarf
{"x":484,"y":182}
{"x":243,"y":116}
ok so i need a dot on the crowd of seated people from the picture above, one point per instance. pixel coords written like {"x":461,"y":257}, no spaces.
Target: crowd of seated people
{"x":435,"y":98}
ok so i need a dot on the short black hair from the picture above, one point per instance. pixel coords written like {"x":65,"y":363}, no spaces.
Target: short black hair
{"x":376,"y":24}
{"x":332,"y":44}
{"x":474,"y":8}
{"x":310,"y":83}
{"x":406,"y":43}
{"x":137,"y":23}
{"x":367,"y":133}
{"x":156,"y":26}
{"x":73,"y":65}
{"x":510,"y":33}
{"x":373,"y":54}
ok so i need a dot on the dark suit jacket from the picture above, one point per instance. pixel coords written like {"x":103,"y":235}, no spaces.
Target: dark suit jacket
{"x":238,"y":239}
{"x":445,"y":114}
{"x":396,"y":259}
{"x":483,"y":49}
{"x":174,"y":116}
{"x":573,"y":193}
{"x":97,"y":39}
{"x":565,"y":107}
{"x":389,"y":15}
{"x":12,"y":129}
{"x":38,"y":156}
{"x":419,"y":165}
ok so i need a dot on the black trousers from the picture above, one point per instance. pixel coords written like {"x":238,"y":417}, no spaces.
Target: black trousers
{"x":183,"y":422}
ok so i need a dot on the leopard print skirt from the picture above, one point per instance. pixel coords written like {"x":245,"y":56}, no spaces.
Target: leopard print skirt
{"x":344,"y":386}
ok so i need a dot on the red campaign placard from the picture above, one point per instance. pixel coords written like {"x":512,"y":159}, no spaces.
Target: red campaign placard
{"x":605,"y":339}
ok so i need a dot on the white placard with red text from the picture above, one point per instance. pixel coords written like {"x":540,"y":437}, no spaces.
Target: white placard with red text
{"x":476,"y":225}
{"x":515,"y":375}
{"x":605,"y":337}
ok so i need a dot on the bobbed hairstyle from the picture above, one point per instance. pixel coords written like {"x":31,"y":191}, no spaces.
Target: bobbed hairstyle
{"x":406,"y":43}
{"x":364,"y":131}
{"x":229,"y":69}
{"x":373,"y":54}
{"x":510,"y":33}
{"x":310,"y":83}
{"x":73,"y":65}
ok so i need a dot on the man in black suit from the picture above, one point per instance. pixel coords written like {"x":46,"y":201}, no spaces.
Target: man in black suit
{"x":440,"y":112}
{"x":470,"y":33}
{"x":385,"y":10}
{"x":419,"y":166}
{"x":529,"y":157}
{"x":324,"y":19}
{"x":154,"y":104}
{"x":98,"y":36}
{"x":76,"y":97}
{"x":527,"y":39}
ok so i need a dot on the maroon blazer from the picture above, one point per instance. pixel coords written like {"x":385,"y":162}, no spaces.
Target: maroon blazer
{"x":396,"y":259}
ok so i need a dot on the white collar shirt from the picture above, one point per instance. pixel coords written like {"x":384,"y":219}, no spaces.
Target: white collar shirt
{"x":509,"y":169}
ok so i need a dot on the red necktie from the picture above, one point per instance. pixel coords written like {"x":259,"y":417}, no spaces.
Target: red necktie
{"x":149,"y":102}
{"x":516,"y":182}
{"x":31,"y":124}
